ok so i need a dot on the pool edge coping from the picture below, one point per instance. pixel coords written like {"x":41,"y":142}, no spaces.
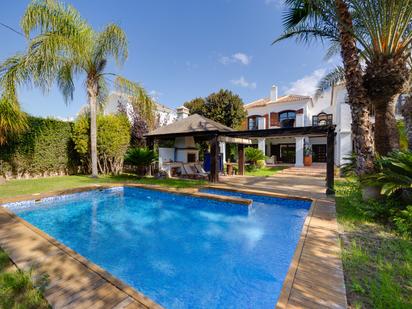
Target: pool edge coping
{"x":181,"y":191}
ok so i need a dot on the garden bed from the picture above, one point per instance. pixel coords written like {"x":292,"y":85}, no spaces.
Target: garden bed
{"x":377,"y":260}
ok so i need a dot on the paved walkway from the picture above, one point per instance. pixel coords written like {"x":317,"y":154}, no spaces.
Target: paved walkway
{"x":315,"y":278}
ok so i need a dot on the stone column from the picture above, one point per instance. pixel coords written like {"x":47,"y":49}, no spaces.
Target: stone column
{"x":262,"y":145}
{"x":222,"y":146}
{"x":300,"y":144}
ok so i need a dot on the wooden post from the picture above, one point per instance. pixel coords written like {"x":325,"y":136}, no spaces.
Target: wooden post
{"x":330,"y":165}
{"x":150,"y":145}
{"x":241,"y":159}
{"x":214,"y":160}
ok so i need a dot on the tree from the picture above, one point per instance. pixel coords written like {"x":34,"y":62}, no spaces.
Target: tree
{"x":382,"y":31}
{"x":65,"y":46}
{"x":196,"y":106}
{"x":112,"y":141}
{"x":332,"y":20}
{"x":223,"y":106}
{"x":385,"y":37}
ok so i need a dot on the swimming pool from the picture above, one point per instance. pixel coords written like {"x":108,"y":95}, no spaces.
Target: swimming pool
{"x":181,"y":251}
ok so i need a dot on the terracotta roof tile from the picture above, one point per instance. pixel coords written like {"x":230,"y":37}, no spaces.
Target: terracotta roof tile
{"x":282,"y":99}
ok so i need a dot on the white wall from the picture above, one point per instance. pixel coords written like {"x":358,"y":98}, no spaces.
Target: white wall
{"x":166,"y":155}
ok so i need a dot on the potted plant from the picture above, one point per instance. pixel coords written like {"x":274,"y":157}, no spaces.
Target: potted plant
{"x":307,"y":155}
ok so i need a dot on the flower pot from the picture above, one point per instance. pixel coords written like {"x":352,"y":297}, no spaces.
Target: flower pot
{"x":307,"y":160}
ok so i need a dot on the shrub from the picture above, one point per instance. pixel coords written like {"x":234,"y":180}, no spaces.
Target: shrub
{"x":113,"y":136}
{"x":141,"y":158}
{"x":403,"y":221}
{"x":45,"y":148}
{"x":394,"y":173}
{"x":253,"y":155}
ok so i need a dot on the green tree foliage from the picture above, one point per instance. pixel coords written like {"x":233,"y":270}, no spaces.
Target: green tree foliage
{"x":196,"y":106}
{"x":62,"y":46}
{"x":112,"y":141}
{"x":45,"y":148}
{"x":223,"y":106}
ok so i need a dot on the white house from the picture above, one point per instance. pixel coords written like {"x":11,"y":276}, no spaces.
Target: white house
{"x":298,"y":111}
{"x":164,"y":115}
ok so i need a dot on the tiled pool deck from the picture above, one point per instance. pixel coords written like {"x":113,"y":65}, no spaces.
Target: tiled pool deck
{"x":314,"y":280}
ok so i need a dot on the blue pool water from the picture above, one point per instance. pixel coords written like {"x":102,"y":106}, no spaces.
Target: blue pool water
{"x":181,"y":251}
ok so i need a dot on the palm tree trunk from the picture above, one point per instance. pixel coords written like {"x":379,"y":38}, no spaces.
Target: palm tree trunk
{"x":384,"y":80}
{"x":92,"y":93}
{"x":407,"y":116}
{"x":361,"y":128}
{"x":386,"y":130}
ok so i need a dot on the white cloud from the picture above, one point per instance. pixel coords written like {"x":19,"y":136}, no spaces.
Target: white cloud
{"x":155,"y":95}
{"x":236,"y":58}
{"x":307,"y":84}
{"x":242,"y":82}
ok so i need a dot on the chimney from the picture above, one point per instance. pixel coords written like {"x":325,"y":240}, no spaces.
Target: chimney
{"x":182,"y":112}
{"x":274,"y":93}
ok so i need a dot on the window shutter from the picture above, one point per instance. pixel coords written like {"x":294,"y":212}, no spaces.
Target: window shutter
{"x":274,"y":120}
{"x":266,"y":121}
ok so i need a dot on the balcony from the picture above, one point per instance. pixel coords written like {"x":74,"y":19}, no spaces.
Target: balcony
{"x":322,"y":119}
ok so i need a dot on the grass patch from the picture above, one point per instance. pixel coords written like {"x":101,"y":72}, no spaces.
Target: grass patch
{"x":29,"y":186}
{"x":17,"y":289}
{"x":377,"y":261}
{"x":265,"y":171}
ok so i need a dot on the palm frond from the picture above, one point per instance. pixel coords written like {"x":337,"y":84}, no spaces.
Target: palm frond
{"x":111,"y":41}
{"x":329,"y":80}
{"x":12,"y":119}
{"x":139,"y":98}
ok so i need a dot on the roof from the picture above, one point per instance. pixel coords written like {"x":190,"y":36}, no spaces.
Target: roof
{"x":192,"y":124}
{"x":282,"y":99}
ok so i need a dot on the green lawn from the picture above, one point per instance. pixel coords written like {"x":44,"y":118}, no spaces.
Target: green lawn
{"x":377,"y":262}
{"x":265,"y":171}
{"x":29,"y":186}
{"x":16,"y":287}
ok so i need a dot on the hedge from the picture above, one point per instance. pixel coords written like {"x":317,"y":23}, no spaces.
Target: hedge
{"x":46,"y":148}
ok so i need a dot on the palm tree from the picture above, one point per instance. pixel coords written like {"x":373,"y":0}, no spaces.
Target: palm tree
{"x":385,"y":37}
{"x":66,"y":46}
{"x":332,"y":20}
{"x":406,"y":109}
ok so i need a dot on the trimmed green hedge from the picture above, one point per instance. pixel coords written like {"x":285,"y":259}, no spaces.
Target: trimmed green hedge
{"x":45,"y":148}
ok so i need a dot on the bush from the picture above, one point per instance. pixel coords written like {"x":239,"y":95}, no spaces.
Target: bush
{"x":394,"y":173}
{"x":140,"y":156}
{"x":403,"y":221}
{"x":45,"y":148}
{"x":113,"y":137}
{"x":253,"y":155}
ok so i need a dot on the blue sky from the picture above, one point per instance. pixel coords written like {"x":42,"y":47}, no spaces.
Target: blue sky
{"x":182,"y":49}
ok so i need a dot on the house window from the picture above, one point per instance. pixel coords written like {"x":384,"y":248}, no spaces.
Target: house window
{"x":287,"y":119}
{"x":253,"y":123}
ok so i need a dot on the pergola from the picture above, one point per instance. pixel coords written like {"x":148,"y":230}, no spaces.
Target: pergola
{"x":205,"y":129}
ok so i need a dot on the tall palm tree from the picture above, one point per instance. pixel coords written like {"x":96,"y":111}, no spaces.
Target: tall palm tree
{"x":385,"y":37}
{"x":406,"y":109}
{"x":332,"y":20}
{"x":66,"y":46}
